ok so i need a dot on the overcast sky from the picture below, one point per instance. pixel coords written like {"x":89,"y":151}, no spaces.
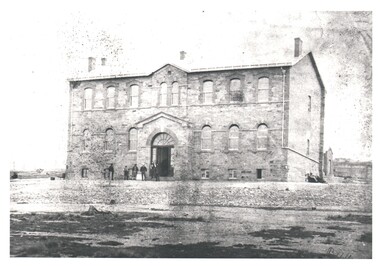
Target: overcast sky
{"x":51,"y":44}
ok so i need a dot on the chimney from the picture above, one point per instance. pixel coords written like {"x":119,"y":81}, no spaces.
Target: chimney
{"x":91,"y":63}
{"x":104,"y":61}
{"x":297,"y":47}
{"x":182,"y":55}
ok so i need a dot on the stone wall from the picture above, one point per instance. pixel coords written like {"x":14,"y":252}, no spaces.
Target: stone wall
{"x":183,"y":122}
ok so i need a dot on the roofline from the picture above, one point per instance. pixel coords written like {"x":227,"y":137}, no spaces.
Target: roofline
{"x":310,"y":54}
{"x":200,"y":70}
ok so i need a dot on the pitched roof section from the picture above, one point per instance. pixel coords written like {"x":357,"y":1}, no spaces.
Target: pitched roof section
{"x":198,"y":70}
{"x":163,"y":115}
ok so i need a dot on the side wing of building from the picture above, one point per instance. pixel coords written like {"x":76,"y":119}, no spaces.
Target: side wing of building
{"x":305,"y":120}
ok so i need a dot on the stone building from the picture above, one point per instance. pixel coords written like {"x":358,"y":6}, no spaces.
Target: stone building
{"x":248,"y":122}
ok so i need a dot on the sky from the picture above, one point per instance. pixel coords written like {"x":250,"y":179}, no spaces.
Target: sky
{"x":49,"y":43}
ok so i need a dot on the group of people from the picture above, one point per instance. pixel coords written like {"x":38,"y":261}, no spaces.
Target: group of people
{"x":131,"y":173}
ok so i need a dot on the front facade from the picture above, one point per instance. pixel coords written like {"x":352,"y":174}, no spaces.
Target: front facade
{"x":261,"y":122}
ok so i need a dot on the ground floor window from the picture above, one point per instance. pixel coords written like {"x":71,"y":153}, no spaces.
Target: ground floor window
{"x":259,"y":173}
{"x":232,"y":173}
{"x":205,"y":173}
{"x":84,"y":172}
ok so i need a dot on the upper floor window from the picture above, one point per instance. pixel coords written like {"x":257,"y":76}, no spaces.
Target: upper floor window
{"x":134,"y":96}
{"x":206,"y":138}
{"x":164,"y":94}
{"x":132,"y":142}
{"x":110,"y":97}
{"x":86,"y":140}
{"x":236,"y":93}
{"x":233,"y":138}
{"x":87,"y":99}
{"x":308,"y":147}
{"x":208,"y":91}
{"x":109,"y":141}
{"x":263,"y":90}
{"x":175,"y":93}
{"x":262,"y":137}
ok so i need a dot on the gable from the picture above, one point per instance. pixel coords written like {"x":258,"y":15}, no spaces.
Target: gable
{"x":163,"y":115}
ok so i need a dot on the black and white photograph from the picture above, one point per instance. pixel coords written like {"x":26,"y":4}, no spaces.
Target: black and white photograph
{"x":182,"y":130}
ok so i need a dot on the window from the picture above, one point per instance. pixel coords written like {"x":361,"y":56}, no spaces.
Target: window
{"x":87,"y":99}
{"x":108,"y":144}
{"x":110,"y":97}
{"x":308,"y":147}
{"x":86,"y":140}
{"x":262,"y":137}
{"x":84,"y":172}
{"x":205,"y":173}
{"x":134,"y":96}
{"x":132,"y":139}
{"x":309,"y":106}
{"x":208,"y":91}
{"x":175,"y":93}
{"x":236,"y":94}
{"x":263,"y":90}
{"x":233,"y":138}
{"x":164,"y":94}
{"x":259,"y":173}
{"x":206,"y":138}
{"x":232,"y":173}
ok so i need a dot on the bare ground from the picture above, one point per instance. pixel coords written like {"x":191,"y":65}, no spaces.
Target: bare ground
{"x":184,"y":230}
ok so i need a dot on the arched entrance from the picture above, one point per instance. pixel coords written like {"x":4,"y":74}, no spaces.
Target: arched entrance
{"x":161,"y":153}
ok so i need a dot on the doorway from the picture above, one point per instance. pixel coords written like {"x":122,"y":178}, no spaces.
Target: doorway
{"x":161,"y":154}
{"x":163,"y":160}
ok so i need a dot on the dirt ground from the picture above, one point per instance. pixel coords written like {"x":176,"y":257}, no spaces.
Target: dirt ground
{"x":64,"y":229}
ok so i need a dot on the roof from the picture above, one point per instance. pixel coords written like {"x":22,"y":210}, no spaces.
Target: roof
{"x":104,"y":75}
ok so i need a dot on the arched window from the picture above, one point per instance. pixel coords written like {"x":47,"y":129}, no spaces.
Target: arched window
{"x":87,"y":99}
{"x":262,"y":137}
{"x":233,"y":138}
{"x":86,"y":140}
{"x":175,"y":93}
{"x":134,"y":96}
{"x":236,"y":93}
{"x":208,"y":91}
{"x":110,"y":97}
{"x":109,"y":141}
{"x":164,"y":94}
{"x":263,"y":90}
{"x":206,"y":138}
{"x":132,"y":142}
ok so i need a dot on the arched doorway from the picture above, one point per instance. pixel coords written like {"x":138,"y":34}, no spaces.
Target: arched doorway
{"x":161,"y":153}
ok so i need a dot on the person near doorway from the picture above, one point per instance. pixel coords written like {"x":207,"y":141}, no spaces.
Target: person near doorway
{"x":111,"y":171}
{"x":143,"y":170}
{"x":126,"y":173}
{"x":156,"y":173}
{"x":153,"y":170}
{"x":135,"y":169}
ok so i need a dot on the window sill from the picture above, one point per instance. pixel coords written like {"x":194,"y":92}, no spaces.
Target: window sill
{"x":108,"y":151}
{"x":134,"y":151}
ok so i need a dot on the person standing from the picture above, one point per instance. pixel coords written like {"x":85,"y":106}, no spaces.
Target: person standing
{"x":135,"y":169}
{"x":153,"y":170}
{"x":143,"y":170}
{"x":111,"y":171}
{"x":126,"y":173}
